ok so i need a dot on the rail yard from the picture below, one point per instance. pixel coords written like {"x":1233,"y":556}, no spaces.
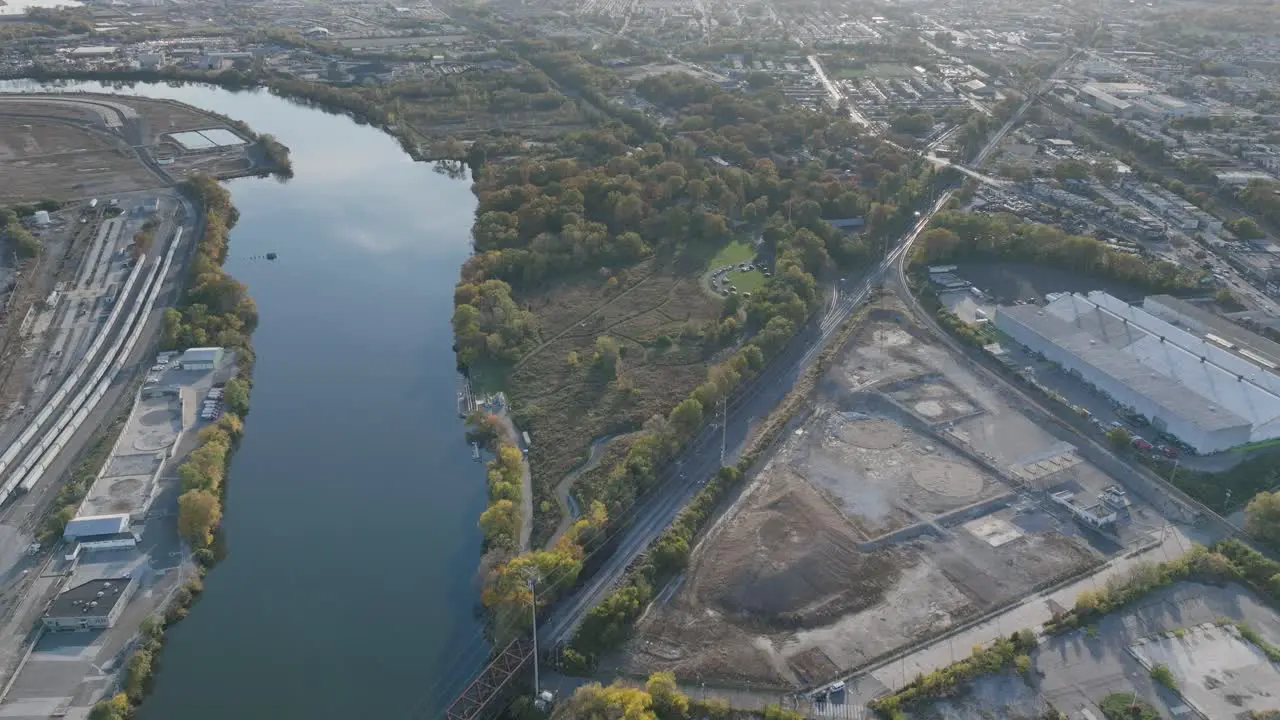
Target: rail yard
{"x":79,"y":321}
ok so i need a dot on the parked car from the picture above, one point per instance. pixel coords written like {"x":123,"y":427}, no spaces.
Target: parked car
{"x":1167,"y":451}
{"x":1141,"y":444}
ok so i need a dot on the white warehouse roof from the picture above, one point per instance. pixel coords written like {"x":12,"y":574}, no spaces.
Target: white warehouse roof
{"x":1189,"y":377}
{"x":96,"y":525}
{"x":201,"y":354}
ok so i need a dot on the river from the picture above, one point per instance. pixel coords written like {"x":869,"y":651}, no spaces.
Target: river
{"x":350,"y":589}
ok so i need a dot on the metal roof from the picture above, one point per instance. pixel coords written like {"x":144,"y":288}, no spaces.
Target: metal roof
{"x":96,"y":525}
{"x":1189,"y":376}
{"x":202,"y":354}
{"x":1098,"y":344}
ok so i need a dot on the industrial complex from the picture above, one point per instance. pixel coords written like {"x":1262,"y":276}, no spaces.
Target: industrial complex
{"x":1211,"y":392}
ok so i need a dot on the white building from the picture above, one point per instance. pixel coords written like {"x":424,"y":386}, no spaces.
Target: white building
{"x":1104,"y":100}
{"x":90,"y":525}
{"x":1187,"y":386}
{"x":150,"y":61}
{"x":204,"y":358}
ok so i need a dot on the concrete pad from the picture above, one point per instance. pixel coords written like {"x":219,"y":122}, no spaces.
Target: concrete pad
{"x":995,"y":531}
{"x":32,"y":707}
{"x":1219,"y":673}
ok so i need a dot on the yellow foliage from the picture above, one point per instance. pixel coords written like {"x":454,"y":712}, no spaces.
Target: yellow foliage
{"x":198,"y":513}
{"x":594,"y":702}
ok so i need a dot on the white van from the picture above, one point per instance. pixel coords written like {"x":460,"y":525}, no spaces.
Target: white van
{"x":836,"y":687}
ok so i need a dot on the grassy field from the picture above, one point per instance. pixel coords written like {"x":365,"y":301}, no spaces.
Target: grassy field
{"x":874,"y":71}
{"x":750,"y":281}
{"x":564,"y":401}
{"x":735,"y":253}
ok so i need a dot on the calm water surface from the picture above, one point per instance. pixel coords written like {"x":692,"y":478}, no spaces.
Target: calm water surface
{"x":349,"y":591}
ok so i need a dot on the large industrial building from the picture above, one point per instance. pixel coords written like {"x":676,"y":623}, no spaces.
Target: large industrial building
{"x":1206,"y":391}
{"x":92,"y":605}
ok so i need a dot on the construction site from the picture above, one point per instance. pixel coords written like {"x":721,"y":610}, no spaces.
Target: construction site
{"x":912,"y":500}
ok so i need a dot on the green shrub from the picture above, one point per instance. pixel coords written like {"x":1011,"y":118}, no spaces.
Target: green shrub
{"x":1163,"y":675}
{"x":1127,"y":706}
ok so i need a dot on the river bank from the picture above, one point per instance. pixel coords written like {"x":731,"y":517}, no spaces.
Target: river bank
{"x":204,"y":470}
{"x":326,"y":98}
{"x":355,"y":498}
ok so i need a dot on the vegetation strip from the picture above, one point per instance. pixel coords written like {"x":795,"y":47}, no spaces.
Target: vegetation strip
{"x":214,"y":309}
{"x":659,"y":699}
{"x":1226,"y":561}
{"x":1005,"y":652}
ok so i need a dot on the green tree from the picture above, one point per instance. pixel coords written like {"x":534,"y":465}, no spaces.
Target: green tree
{"x":114,"y":708}
{"x":137,"y":675}
{"x":607,"y":355}
{"x":1119,"y":439}
{"x":1228,"y":301}
{"x":912,"y":123}
{"x":1127,"y":706}
{"x":1105,"y":171}
{"x":1163,"y":675}
{"x":668,"y":702}
{"x":27,"y":245}
{"x":500,"y":523}
{"x":686,"y":418}
{"x":1071,"y":170}
{"x":1246,"y":228}
{"x":1262,"y":517}
{"x":235,"y":394}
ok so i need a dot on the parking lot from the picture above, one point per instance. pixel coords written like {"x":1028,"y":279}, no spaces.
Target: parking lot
{"x":744,"y":278}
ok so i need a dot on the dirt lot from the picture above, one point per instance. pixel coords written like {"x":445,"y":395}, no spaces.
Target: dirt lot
{"x":50,"y":160}
{"x":875,"y":525}
{"x":165,"y":117}
{"x":564,"y":406}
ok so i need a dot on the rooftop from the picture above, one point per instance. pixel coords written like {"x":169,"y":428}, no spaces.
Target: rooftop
{"x":96,"y":525}
{"x":1222,"y":327}
{"x":1160,"y":361}
{"x":94,"y":598}
{"x":1110,"y":360}
{"x":107,"y":537}
{"x":202,"y":354}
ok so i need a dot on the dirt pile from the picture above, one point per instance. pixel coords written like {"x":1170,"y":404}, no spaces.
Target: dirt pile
{"x":792,"y":562}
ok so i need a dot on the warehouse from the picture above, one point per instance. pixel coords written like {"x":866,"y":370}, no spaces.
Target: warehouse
{"x":92,"y":605}
{"x":91,"y":525}
{"x":1221,"y":331}
{"x":1189,"y":387}
{"x":204,"y":358}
